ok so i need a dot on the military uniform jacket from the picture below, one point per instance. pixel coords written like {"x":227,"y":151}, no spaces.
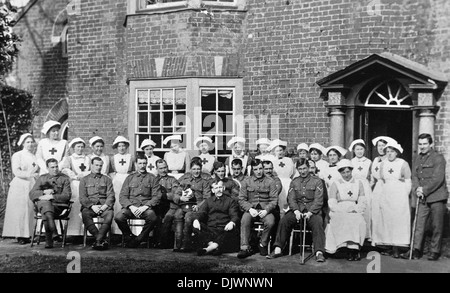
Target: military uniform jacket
{"x":306,"y":193}
{"x":278,"y":183}
{"x":60,"y":183}
{"x":169,"y":186}
{"x":429,"y":172}
{"x":96,"y":189}
{"x":140,"y":189}
{"x":258,"y":193}
{"x":200,"y":187}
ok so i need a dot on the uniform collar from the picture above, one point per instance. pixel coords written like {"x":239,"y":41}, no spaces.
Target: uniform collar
{"x":305,"y":179}
{"x":427,"y":154}
{"x":258,"y":179}
{"x":218,"y":198}
{"x":363,"y":159}
{"x":97,"y":175}
{"x":139,"y":174}
{"x":76,"y":156}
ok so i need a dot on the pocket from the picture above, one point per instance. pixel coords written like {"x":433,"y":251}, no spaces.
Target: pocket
{"x":91,"y":188}
{"x":102,"y":189}
{"x":250,"y":189}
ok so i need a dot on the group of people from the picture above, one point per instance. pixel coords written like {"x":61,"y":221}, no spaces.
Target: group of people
{"x":211,"y":206}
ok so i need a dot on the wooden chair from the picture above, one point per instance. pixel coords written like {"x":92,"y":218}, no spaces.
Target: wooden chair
{"x":136,"y":226}
{"x":302,"y":231}
{"x":98,"y":221}
{"x":63,"y":217}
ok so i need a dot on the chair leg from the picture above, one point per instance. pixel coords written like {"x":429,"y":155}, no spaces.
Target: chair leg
{"x":40,"y":231}
{"x":66,"y":224}
{"x":291,"y":239}
{"x":84,"y":236}
{"x":34,"y":232}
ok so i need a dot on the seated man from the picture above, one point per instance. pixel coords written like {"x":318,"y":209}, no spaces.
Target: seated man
{"x":216,"y":224}
{"x":97,"y":199}
{"x":305,"y":199}
{"x":238,"y":175}
{"x":190,"y":195}
{"x":139,"y":197}
{"x":231,"y":187}
{"x":258,"y":198}
{"x":52,"y":194}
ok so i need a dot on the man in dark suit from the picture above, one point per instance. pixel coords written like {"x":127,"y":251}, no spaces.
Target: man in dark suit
{"x":52,"y":194}
{"x":97,"y":200}
{"x":139,"y":197}
{"x":428,"y":183}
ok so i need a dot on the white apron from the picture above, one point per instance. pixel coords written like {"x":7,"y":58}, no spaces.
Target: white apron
{"x":394,"y":224}
{"x":207,"y":162}
{"x":361,"y":171}
{"x":151,"y":165}
{"x":345,"y":229}
{"x":285,"y":170}
{"x":50,"y":149}
{"x":121,"y":166}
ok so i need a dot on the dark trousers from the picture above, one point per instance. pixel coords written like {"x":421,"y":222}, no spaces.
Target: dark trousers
{"x":228,"y":241}
{"x":174,"y":215}
{"x":287,"y":223}
{"x":149,"y":216}
{"x":48,"y":211}
{"x":246,"y":229}
{"x":436,"y":212}
{"x":88,"y":216}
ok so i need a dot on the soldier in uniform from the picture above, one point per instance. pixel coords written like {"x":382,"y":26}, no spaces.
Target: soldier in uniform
{"x":52,"y":194}
{"x":230,"y":187}
{"x":168,"y":208}
{"x":97,"y":200}
{"x":177,"y":159}
{"x":238,"y":176}
{"x":428,"y":183}
{"x":147,"y":147}
{"x":190,"y":195}
{"x":305,"y":201}
{"x":51,"y":146}
{"x":205,"y":144}
{"x":258,"y":198}
{"x":139,"y":197}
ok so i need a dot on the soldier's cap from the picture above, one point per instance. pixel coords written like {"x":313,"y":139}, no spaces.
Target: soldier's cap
{"x":352,"y":145}
{"x":263,"y":141}
{"x":395,"y":145}
{"x":275,"y":143}
{"x":341,"y":150}
{"x":49,"y":125}
{"x":303,"y":146}
{"x":344,"y":163}
{"x":236,"y":139}
{"x":95,"y":139}
{"x":146,"y":142}
{"x":175,"y":137}
{"x":23,"y":137}
{"x":118,"y":140}
{"x":385,"y":138}
{"x":75,"y":141}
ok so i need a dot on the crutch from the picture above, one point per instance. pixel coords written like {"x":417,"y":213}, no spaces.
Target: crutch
{"x":303,"y":240}
{"x":414,"y":229}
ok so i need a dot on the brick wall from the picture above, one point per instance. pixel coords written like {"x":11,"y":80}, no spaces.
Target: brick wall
{"x":40,"y":68}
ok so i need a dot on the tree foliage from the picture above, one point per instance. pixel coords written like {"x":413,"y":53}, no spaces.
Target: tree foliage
{"x":8,"y":39}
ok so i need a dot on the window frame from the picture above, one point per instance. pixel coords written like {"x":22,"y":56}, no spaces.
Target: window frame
{"x":193,"y":86}
{"x":135,"y":6}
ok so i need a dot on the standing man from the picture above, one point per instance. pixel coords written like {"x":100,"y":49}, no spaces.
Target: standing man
{"x":305,"y":200}
{"x":168,"y":208}
{"x":258,"y":198}
{"x":52,"y":194}
{"x":139,"y":197}
{"x":428,"y":183}
{"x":97,"y":199}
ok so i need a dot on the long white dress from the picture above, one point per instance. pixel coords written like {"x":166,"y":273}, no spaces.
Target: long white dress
{"x":106,"y":164}
{"x":47,"y":148}
{"x":321,"y":165}
{"x":377,"y":188}
{"x":347,"y":227}
{"x":151,"y":164}
{"x":121,"y":167}
{"x":19,"y":208}
{"x":285,"y":170}
{"x":178,"y":163}
{"x":75,"y":166}
{"x":361,"y":171}
{"x":394,"y":222}
{"x":330,"y":174}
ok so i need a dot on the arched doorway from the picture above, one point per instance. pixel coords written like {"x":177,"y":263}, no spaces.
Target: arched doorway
{"x":385,"y":109}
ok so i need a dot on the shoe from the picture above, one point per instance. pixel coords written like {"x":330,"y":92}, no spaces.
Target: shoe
{"x":105,"y":245}
{"x":201,"y":252}
{"x":49,"y":245}
{"x":57,"y":238}
{"x":350,"y":256}
{"x":274,"y":255}
{"x":386,"y":252}
{"x":433,"y":256}
{"x":320,"y":257}
{"x":97,"y":245}
{"x":396,"y":253}
{"x":216,"y":252}
{"x":244,"y":253}
{"x":356,"y":256}
{"x":416,"y":254}
{"x":23,"y":241}
{"x":263,"y":250}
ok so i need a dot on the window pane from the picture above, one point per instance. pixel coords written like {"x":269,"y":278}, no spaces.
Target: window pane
{"x":225,"y":124}
{"x":155,"y":119}
{"x":157,"y":140}
{"x":155,"y":99}
{"x":168,"y":117}
{"x":180,"y":118}
{"x":155,"y":130}
{"x":208,"y":100}
{"x":143,"y":119}
{"x":180,"y":97}
{"x":168,"y":129}
{"x":208,"y":123}
{"x":142,"y":129}
{"x":225,"y":100}
{"x":142,"y":99}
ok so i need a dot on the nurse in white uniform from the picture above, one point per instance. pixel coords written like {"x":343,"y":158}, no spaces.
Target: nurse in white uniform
{"x":97,"y":144}
{"x":51,"y":146}
{"x":335,"y":154}
{"x":147,"y":146}
{"x":315,"y":152}
{"x":178,"y":160}
{"x":263,"y":150}
{"x":205,"y":144}
{"x":237,"y":146}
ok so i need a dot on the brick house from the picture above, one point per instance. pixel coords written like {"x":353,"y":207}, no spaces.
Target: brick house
{"x":304,"y":71}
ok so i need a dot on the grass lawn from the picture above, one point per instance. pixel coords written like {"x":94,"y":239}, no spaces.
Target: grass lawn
{"x":57,"y":264}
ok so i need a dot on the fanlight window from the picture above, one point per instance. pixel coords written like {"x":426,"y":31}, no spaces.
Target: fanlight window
{"x":390,"y":94}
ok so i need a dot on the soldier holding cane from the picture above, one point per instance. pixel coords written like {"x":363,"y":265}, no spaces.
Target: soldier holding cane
{"x":428,"y":180}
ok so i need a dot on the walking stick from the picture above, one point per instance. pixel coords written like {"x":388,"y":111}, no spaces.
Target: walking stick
{"x":414,"y":229}
{"x":303,"y":241}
